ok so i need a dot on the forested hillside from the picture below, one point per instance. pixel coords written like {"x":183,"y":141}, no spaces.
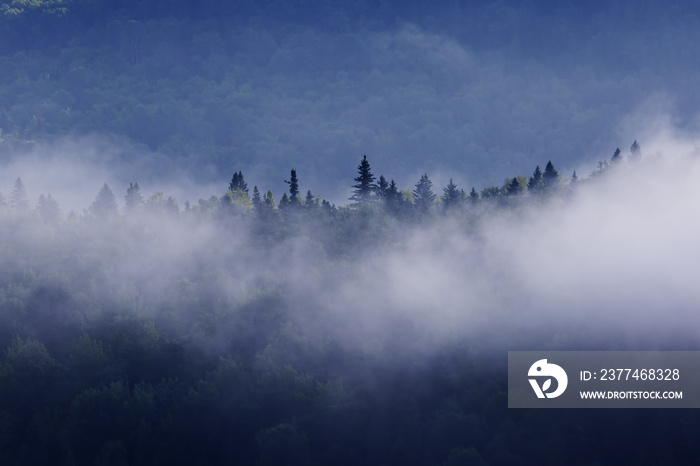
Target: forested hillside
{"x":250,"y":329}
{"x":319,"y":306}
{"x":478,"y":89}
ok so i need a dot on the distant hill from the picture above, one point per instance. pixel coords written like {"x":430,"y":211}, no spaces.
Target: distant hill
{"x":470,"y":90}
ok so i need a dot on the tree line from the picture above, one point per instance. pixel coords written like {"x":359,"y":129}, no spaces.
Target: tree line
{"x":367,"y":191}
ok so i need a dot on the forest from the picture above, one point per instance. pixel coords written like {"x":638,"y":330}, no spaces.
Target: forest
{"x":318,"y":305}
{"x":246,"y":330}
{"x":476,"y":89}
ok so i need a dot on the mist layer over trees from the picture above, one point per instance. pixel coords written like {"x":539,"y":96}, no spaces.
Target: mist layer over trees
{"x":254,"y":328}
{"x":320,"y":306}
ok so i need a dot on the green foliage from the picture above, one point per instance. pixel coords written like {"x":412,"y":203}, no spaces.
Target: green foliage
{"x":515,"y":186}
{"x":491,"y":192}
{"x":237,"y":200}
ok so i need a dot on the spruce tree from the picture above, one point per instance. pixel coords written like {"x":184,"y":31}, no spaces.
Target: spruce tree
{"x":635,"y":150}
{"x":423,"y":194}
{"x":364,"y":187}
{"x":451,"y":196}
{"x":269,"y":201}
{"x":550,"y":177}
{"x":327,"y":207}
{"x":513,"y":188}
{"x":536,"y":183}
{"x":257,"y":200}
{"x":293,"y":183}
{"x":382,"y":187}
{"x":234,"y":182}
{"x":310,"y":200}
{"x":237,"y":182}
{"x":133,"y":197}
{"x":616,"y":157}
{"x":104,"y":206}
{"x":171,"y":206}
{"x":48,"y":209}
{"x":284,"y":202}
{"x":473,"y":195}
{"x":18,"y":196}
{"x":393,"y":198}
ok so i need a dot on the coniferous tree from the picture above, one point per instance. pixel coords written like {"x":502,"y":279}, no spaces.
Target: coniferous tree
{"x":382,"y":187}
{"x":423,"y":195}
{"x":18,"y":196}
{"x":364,"y":187}
{"x":550,"y":177}
{"x":536,"y":183}
{"x":327,"y":207}
{"x":284,"y":202}
{"x":473,"y":195}
{"x":48,"y":209}
{"x":310,"y":200}
{"x":616,"y":157}
{"x":451,"y":196}
{"x":269,"y":201}
{"x":294,"y":199}
{"x":514,"y":187}
{"x":104,"y":206}
{"x":602,"y":167}
{"x":574,"y":178}
{"x":393,"y":198}
{"x":234,"y":182}
{"x":257,"y":200}
{"x":171,"y":206}
{"x":635,"y":150}
{"x":237,"y":182}
{"x":491,"y":192}
{"x":242,"y":185}
{"x":133,"y":197}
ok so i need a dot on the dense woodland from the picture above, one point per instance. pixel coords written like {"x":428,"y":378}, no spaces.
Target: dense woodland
{"x":260,"y":326}
{"x":142,"y":332}
{"x":479,"y":89}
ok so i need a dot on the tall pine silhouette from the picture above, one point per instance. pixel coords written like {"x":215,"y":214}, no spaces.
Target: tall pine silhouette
{"x":364,"y":186}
